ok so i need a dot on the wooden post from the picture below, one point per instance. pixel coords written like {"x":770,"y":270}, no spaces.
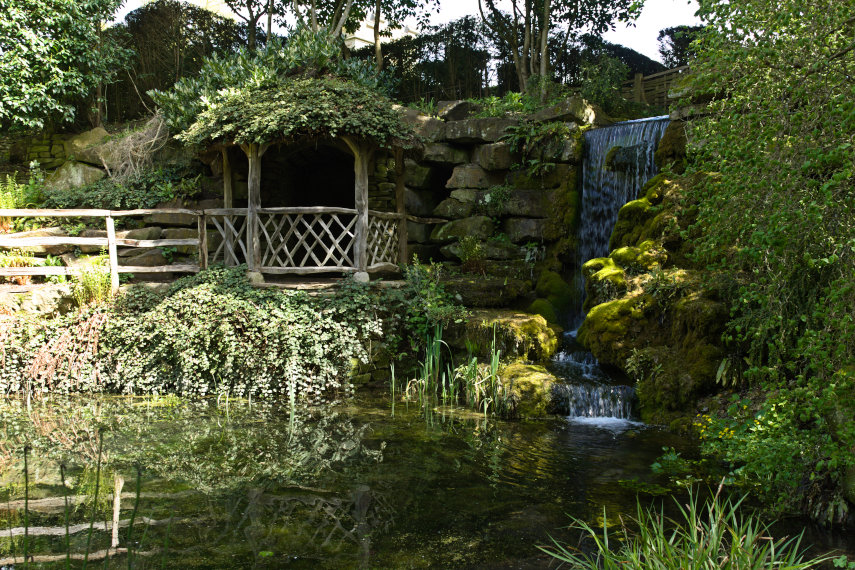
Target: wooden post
{"x":361,"y":158}
{"x":253,"y":153}
{"x":113,"y":255}
{"x":638,"y":88}
{"x":203,"y":241}
{"x":228,"y":202}
{"x":401,"y":206}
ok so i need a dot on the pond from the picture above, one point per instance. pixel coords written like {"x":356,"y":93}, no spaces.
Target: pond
{"x":367,"y":483}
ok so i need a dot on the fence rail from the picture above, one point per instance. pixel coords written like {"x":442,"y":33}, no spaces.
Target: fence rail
{"x":290,"y":240}
{"x":652,"y":89}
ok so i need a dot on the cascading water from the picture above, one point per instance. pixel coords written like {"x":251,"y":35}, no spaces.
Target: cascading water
{"x":606,"y":189}
{"x":589,"y":396}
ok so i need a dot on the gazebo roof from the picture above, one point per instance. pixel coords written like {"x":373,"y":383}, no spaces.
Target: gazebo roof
{"x":299,"y":108}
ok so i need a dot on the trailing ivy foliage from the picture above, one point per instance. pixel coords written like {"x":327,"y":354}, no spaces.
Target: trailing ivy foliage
{"x":210,"y":334}
{"x":778,"y":218}
{"x":302,"y":88}
{"x":214,"y":334}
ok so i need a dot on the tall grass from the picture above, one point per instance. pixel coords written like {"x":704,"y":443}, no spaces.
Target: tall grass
{"x":92,"y":282}
{"x":473,"y":384}
{"x":715,"y":535}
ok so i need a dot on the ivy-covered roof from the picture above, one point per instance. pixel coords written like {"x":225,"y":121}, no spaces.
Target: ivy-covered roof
{"x":297,"y":108}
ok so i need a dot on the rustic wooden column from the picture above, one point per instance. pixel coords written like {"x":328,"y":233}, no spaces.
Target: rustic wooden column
{"x":400,"y":205}
{"x":254,"y":152}
{"x":113,"y":256}
{"x":202,"y":221}
{"x":228,"y":202}
{"x":638,"y":88}
{"x":361,"y":158}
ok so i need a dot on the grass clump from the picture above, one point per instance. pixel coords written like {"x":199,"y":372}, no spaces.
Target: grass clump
{"x":92,"y":283}
{"x":717,"y":534}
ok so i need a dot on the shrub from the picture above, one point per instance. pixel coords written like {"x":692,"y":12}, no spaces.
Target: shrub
{"x":92,"y":284}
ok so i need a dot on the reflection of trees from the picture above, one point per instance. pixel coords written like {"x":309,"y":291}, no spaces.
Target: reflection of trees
{"x":235,"y":473}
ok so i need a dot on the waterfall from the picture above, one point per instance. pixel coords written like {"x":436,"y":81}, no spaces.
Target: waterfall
{"x":605,"y":191}
{"x":589,"y":395}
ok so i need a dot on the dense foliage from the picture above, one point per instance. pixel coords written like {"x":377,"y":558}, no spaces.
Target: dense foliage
{"x":209,"y":334}
{"x":302,"y":88}
{"x":53,"y":54}
{"x":144,"y":190}
{"x":778,"y":218}
{"x":675,"y":44}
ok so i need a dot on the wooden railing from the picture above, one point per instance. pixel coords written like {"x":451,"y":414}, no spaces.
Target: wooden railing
{"x":110,"y":242}
{"x":652,"y":89}
{"x":288,"y":240}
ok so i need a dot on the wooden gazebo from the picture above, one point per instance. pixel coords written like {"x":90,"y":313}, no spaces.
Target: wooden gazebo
{"x":316,"y":239}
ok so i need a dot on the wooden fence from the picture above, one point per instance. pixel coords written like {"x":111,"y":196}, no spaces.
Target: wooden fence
{"x":652,"y":89}
{"x":282,"y":240}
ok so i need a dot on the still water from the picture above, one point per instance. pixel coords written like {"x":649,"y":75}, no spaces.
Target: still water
{"x":356,"y":484}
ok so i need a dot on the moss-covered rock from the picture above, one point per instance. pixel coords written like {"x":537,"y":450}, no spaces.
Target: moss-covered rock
{"x":531,"y":388}
{"x":518,"y":334}
{"x":671,"y":152}
{"x":604,"y":280}
{"x":552,"y":287}
{"x":643,"y":257}
{"x":479,"y":227}
{"x":482,"y":291}
{"x":545,"y":309}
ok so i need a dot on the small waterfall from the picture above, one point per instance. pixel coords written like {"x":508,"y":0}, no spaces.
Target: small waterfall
{"x":590,"y":396}
{"x":596,"y":400}
{"x":605,"y":191}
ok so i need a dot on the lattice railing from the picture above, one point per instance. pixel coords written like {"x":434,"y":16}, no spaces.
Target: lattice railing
{"x":305,"y":239}
{"x":232,"y":249}
{"x":382,"y":239}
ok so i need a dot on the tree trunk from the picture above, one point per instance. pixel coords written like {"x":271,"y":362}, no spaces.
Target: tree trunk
{"x":378,"y":48}
{"x":269,"y":20}
{"x":544,"y":50}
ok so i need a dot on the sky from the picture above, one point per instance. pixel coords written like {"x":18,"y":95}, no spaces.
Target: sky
{"x":657,"y":14}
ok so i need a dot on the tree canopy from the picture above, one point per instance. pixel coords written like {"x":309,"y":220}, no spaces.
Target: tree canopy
{"x":675,"y":44}
{"x":778,"y":220}
{"x":300,"y":89}
{"x":53,"y":54}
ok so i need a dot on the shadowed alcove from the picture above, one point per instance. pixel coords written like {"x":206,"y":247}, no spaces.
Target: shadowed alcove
{"x":315,"y":174}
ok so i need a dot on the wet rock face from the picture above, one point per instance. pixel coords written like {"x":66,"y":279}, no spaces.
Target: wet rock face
{"x":646,"y":315}
{"x":73,"y":175}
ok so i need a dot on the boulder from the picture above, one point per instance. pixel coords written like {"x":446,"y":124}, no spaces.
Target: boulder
{"x":481,"y":291}
{"x":76,"y":145}
{"x":73,"y":175}
{"x":479,"y":227}
{"x":671,"y":150}
{"x":531,"y":387}
{"x":39,"y":249}
{"x":171,"y":219}
{"x":423,"y":125}
{"x":147,"y":233}
{"x":488,"y":130}
{"x":472,"y":176}
{"x":183,"y":233}
{"x":453,"y":209}
{"x":520,"y":230}
{"x":573,"y":109}
{"x":49,"y":300}
{"x":419,"y":202}
{"x":556,"y":176}
{"x":518,"y":334}
{"x":417,"y":175}
{"x":491,"y":249}
{"x":456,"y":110}
{"x":572,"y":149}
{"x":441,"y":153}
{"x":495,"y":156}
{"x":425,"y":252}
{"x":468,"y":195}
{"x":560,"y":294}
{"x":93,"y":233}
{"x":144,"y":258}
{"x":419,"y":233}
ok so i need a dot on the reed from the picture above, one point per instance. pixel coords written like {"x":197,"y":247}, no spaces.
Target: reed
{"x":717,"y":534}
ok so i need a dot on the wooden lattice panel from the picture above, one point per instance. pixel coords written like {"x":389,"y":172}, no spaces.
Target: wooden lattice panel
{"x":232,"y":249}
{"x":307,"y":240}
{"x":382,"y":240}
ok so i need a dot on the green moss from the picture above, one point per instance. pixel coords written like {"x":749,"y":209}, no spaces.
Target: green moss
{"x":518,"y":334}
{"x":531,"y":387}
{"x":558,"y":292}
{"x":643,"y":257}
{"x":543,"y":308}
{"x":610,"y":157}
{"x":671,"y":152}
{"x":604,"y":280}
